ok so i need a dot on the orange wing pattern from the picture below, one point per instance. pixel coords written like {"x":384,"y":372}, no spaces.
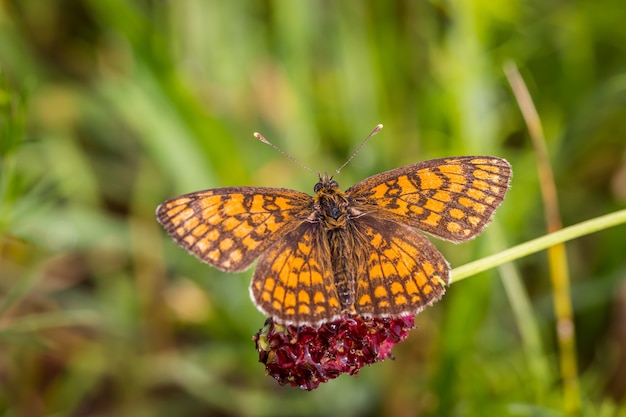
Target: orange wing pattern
{"x":451,"y":198}
{"x":229,"y":228}
{"x":343,"y":253}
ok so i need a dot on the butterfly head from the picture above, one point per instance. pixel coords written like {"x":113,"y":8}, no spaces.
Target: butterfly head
{"x":325,"y":184}
{"x":331,"y":204}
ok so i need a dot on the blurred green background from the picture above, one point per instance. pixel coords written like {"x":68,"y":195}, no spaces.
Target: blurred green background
{"x":107,"y":108}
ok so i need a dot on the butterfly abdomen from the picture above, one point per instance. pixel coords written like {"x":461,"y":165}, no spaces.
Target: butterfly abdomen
{"x":344,"y":266}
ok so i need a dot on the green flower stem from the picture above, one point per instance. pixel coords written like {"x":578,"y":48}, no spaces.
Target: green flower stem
{"x":539,"y":244}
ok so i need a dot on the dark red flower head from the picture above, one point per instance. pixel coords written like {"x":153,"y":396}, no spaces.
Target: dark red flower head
{"x":306,"y":356}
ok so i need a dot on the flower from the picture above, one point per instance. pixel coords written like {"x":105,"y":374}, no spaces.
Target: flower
{"x":306,"y":356}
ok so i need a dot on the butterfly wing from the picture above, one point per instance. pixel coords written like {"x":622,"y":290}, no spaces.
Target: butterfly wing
{"x":450,"y":198}
{"x":229,"y":228}
{"x":293,"y":281}
{"x":400,"y":272}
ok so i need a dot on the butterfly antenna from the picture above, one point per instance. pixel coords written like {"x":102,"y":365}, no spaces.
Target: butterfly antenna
{"x":376,"y":130}
{"x":267,"y":142}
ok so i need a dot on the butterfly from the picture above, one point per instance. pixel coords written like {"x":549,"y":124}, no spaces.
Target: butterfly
{"x":339,"y":253}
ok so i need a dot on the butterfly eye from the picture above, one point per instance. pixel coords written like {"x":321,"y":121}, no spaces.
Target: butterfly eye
{"x":325,"y":184}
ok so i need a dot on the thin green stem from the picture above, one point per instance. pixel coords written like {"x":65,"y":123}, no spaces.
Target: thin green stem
{"x":539,"y":244}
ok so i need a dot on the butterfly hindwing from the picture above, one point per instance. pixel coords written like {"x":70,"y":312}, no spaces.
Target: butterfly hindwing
{"x":293,"y":281}
{"x":401,"y":271}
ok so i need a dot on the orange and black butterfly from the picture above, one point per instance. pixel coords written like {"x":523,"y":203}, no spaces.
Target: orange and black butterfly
{"x":335,"y":253}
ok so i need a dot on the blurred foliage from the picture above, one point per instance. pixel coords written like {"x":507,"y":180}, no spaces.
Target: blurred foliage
{"x":107,"y":108}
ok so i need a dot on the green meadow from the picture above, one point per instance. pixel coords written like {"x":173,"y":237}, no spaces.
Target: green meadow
{"x":108,"y":108}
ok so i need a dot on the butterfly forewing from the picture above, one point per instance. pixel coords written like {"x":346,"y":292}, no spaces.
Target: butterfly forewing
{"x":230,"y":227}
{"x":451,"y":198}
